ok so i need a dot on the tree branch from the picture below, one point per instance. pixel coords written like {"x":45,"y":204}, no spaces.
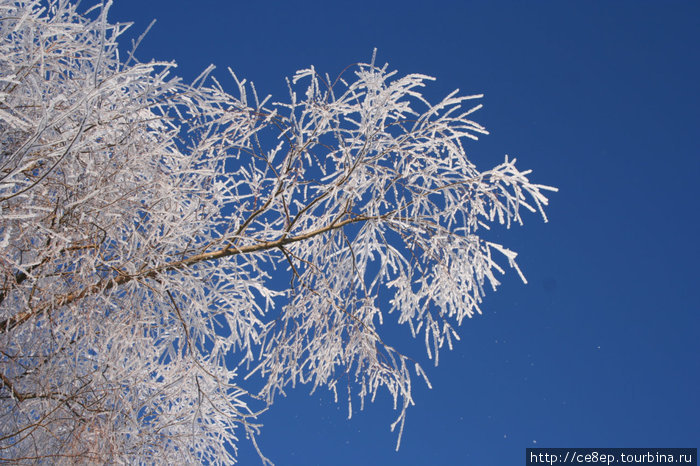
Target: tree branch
{"x":107,"y":284}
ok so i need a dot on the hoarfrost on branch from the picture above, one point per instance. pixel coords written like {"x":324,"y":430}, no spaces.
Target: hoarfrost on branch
{"x":142,"y":221}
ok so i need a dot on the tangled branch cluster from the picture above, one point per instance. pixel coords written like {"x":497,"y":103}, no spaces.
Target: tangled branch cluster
{"x":141,"y":219}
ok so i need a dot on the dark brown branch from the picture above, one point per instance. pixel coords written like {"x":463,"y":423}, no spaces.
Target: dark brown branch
{"x":8,"y":384}
{"x":107,"y":284}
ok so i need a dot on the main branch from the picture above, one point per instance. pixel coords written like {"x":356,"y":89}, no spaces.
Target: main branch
{"x":109,"y":283}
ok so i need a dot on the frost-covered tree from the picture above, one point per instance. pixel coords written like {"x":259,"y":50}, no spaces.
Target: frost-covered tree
{"x":142,"y":220}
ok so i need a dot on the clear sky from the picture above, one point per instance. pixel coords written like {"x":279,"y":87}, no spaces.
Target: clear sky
{"x":600,"y":99}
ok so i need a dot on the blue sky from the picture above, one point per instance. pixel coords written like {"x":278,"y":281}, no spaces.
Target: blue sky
{"x":600,"y":99}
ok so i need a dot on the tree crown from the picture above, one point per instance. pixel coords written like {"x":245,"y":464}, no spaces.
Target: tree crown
{"x":142,"y":219}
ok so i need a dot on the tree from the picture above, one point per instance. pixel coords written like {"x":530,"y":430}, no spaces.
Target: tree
{"x":142,"y":219}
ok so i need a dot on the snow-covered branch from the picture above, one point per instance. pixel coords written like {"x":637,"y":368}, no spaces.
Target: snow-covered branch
{"x":146,"y":225}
